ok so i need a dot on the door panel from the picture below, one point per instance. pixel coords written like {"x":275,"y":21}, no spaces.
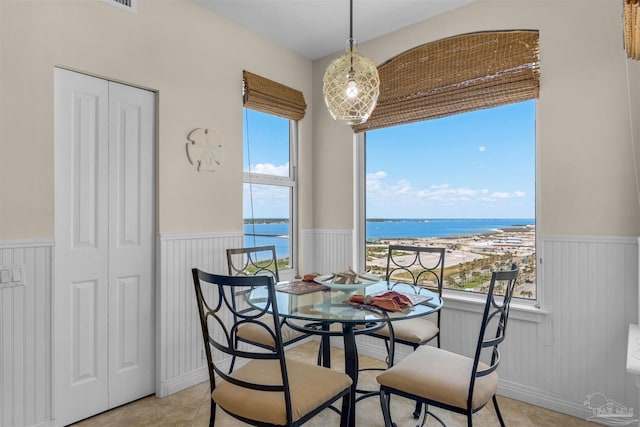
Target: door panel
{"x":86,"y":361}
{"x":131,"y":202}
{"x":81,"y":253}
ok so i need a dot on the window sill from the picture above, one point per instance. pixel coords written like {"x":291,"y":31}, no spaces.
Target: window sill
{"x":525,"y":311}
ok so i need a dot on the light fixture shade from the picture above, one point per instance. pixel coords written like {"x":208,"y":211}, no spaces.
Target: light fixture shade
{"x":351,"y":86}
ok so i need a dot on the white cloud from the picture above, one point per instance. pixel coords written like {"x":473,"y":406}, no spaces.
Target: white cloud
{"x":482,"y":148}
{"x":271,"y":169}
{"x":500,"y":195}
{"x":384,"y":195}
{"x":376,"y":175}
{"x":444,"y":193}
{"x":402,"y":187}
{"x":373,"y":181}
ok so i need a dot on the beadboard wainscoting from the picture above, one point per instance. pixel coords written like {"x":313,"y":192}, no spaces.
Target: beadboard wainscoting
{"x":181,"y":361}
{"x":326,"y":251}
{"x":25,"y":333}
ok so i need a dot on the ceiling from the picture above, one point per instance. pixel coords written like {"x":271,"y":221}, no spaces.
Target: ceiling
{"x":317,"y":28}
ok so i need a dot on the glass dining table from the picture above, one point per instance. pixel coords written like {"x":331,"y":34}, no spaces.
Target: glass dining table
{"x":312,"y":309}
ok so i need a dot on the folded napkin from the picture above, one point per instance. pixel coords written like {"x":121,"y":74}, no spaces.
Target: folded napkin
{"x":390,"y":300}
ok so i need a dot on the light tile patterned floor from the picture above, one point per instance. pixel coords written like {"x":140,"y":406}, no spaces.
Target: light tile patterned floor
{"x":190,"y":407}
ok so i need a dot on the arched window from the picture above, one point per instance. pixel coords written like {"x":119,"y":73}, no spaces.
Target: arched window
{"x":448,"y":157}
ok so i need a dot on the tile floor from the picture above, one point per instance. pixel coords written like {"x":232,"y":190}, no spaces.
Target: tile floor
{"x":190,"y":407}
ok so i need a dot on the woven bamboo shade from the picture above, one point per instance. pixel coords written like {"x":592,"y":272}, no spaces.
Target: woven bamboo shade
{"x":271,"y":97}
{"x":455,"y":75}
{"x":632,"y":28}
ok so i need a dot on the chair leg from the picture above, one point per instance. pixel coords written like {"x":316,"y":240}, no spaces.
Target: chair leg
{"x":416,"y":413}
{"x":346,"y":410}
{"x":386,"y":412}
{"x":212,"y":417}
{"x":495,"y":405}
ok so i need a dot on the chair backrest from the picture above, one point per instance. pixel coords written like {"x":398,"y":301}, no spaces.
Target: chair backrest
{"x":416,"y":265}
{"x":496,"y":314}
{"x":253,"y":261}
{"x":220,"y":319}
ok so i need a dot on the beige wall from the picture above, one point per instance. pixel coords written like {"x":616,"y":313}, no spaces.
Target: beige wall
{"x":586,"y":175}
{"x":190,"y":56}
{"x":586,"y":180}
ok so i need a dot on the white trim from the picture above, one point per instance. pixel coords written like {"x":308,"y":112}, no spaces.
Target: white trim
{"x":193,"y":236}
{"x":544,"y":399}
{"x":339,"y":231}
{"x":456,"y":300}
{"x":27,"y":243}
{"x":359,"y":203}
{"x":589,"y":239}
{"x":183,"y":381}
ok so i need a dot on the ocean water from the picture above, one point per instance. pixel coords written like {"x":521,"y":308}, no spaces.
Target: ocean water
{"x":406,"y":228}
{"x":272,"y":233}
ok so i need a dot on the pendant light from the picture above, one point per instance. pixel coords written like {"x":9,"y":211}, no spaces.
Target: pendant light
{"x":351,"y":84}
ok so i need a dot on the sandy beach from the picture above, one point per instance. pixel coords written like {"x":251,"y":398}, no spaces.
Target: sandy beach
{"x":481,"y":253}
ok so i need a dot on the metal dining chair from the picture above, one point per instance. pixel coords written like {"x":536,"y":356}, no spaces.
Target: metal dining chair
{"x":259,"y":261}
{"x":423,"y":268}
{"x":268,"y":389}
{"x":433,"y":376}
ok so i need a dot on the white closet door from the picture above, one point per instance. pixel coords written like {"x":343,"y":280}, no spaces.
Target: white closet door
{"x":131,"y":201}
{"x":103,"y":313}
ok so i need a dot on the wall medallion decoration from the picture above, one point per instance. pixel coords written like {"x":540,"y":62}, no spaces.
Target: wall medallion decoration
{"x":204,"y":149}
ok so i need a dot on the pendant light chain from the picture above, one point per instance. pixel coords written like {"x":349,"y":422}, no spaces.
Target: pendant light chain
{"x":351,"y":25}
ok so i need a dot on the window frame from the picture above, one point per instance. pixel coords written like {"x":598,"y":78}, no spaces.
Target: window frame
{"x":290,"y":182}
{"x":523,"y":309}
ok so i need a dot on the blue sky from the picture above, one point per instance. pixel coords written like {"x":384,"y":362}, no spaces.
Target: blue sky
{"x":474,"y":165}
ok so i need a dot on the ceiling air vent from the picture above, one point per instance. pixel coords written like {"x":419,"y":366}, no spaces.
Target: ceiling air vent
{"x":130,"y":5}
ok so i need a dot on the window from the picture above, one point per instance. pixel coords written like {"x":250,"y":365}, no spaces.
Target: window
{"x":466,"y":182}
{"x":269,"y":189}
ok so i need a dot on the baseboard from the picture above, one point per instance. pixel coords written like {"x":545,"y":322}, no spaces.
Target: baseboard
{"x":182,"y":382}
{"x":374,"y":348}
{"x":189,"y":379}
{"x":543,"y":399}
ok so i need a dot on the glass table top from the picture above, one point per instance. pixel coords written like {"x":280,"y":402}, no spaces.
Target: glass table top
{"x":333,"y":305}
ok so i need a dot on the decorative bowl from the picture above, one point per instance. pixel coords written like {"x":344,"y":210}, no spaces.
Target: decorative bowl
{"x":362,"y":281}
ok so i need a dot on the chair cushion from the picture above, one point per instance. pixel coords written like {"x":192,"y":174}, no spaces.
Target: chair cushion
{"x":441,"y":376}
{"x":255,"y":333}
{"x":311,"y":386}
{"x":416,"y":330}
